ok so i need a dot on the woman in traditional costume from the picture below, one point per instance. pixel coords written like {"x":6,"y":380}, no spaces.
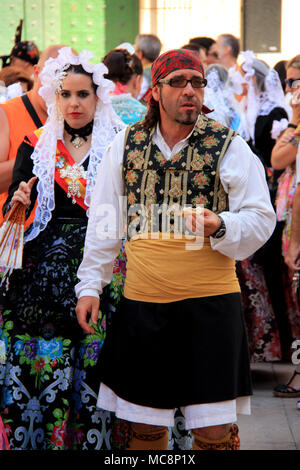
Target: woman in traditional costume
{"x":126,"y":71}
{"x":266,"y":291}
{"x":49,"y":377}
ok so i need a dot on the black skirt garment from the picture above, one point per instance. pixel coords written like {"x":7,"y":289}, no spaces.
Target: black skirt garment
{"x":176,"y":354}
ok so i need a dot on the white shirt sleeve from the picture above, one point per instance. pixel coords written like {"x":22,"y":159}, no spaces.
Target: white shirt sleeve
{"x":249,"y":222}
{"x":251,"y":219}
{"x":104,"y":231}
{"x":298,"y":165}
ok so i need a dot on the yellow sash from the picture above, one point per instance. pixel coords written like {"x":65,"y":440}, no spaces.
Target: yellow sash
{"x":167,"y":270}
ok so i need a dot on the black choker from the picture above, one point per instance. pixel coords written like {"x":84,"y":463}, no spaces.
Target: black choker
{"x":79,"y":134}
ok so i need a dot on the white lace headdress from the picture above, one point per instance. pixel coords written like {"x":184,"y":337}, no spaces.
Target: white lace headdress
{"x":106,"y":125}
{"x":215,"y":95}
{"x":259,"y":102}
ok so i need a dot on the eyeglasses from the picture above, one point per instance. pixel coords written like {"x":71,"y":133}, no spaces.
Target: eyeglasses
{"x":181,"y":82}
{"x":292,"y":82}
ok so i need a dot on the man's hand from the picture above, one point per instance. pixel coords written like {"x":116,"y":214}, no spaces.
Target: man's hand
{"x":87,"y":306}
{"x":292,"y":258}
{"x":203,"y":223}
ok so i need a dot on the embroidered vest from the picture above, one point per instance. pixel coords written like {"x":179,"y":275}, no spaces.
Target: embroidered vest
{"x":189,"y":178}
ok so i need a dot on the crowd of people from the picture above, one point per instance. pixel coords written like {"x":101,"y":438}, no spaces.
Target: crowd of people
{"x":112,"y":341}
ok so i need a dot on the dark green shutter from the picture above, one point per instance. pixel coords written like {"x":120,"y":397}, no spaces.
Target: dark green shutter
{"x":97,"y":25}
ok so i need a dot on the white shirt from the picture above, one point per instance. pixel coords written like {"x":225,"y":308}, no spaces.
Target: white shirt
{"x":249,"y":222}
{"x":298,"y":165}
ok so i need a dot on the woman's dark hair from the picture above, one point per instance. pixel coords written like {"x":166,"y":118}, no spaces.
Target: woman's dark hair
{"x":203,"y":41}
{"x":193,"y":47}
{"x":80,"y":70}
{"x":122,"y":66}
{"x":280,"y":68}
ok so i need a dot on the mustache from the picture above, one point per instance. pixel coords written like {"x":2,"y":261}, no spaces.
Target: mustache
{"x":192,"y":100}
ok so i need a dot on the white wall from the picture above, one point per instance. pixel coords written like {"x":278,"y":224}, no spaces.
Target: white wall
{"x":176,"y":21}
{"x":179,"y":20}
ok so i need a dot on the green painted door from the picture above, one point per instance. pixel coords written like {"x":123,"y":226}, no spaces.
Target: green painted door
{"x":122,"y":22}
{"x":98,"y":25}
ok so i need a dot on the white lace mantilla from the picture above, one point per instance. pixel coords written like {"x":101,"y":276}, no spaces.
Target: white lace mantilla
{"x":106,"y":125}
{"x":257,"y":103}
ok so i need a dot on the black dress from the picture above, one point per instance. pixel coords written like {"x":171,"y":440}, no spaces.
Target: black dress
{"x":48,"y":377}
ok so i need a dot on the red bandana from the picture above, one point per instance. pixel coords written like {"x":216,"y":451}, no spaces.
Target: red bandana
{"x":177,"y":59}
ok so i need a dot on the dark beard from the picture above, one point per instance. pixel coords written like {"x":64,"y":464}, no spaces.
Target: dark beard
{"x":188,"y":121}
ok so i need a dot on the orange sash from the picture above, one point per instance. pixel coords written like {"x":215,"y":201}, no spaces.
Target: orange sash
{"x":166,"y":270}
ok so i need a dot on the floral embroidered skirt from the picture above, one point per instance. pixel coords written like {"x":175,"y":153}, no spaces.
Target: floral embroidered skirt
{"x":48,"y":366}
{"x":49,"y":369}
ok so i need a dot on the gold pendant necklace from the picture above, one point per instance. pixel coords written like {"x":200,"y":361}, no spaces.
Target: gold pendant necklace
{"x":79,"y":135}
{"x":74,"y":173}
{"x":77,"y":142}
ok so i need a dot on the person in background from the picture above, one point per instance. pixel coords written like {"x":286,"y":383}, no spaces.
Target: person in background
{"x":12,"y":74}
{"x":229,"y":49}
{"x":126,"y":71}
{"x":192,"y":46}
{"x":286,"y":155}
{"x":267,"y":300}
{"x":147,"y":48}
{"x":291,"y":389}
{"x":210,"y":47}
{"x":219,"y":98}
{"x":24,"y":54}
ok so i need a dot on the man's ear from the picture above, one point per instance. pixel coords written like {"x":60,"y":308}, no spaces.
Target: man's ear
{"x":228,"y":50}
{"x":156,"y":93}
{"x":139,"y":54}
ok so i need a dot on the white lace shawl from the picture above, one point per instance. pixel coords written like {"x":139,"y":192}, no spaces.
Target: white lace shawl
{"x":257,"y":103}
{"x":216,"y":98}
{"x":106,"y":125}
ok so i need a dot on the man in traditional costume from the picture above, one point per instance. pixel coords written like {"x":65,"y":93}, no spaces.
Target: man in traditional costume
{"x":176,"y":298}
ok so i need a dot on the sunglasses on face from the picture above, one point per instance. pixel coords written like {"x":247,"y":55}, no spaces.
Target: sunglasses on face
{"x":181,"y":82}
{"x":292,"y":82}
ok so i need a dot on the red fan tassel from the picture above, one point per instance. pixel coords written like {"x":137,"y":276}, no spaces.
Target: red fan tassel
{"x":12,"y":237}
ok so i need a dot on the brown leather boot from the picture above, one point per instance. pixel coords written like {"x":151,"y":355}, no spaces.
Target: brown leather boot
{"x":229,"y":442}
{"x":152,"y":440}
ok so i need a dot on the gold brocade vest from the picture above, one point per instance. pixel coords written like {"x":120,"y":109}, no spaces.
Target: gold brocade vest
{"x":189,"y":178}
{"x":166,"y":268}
